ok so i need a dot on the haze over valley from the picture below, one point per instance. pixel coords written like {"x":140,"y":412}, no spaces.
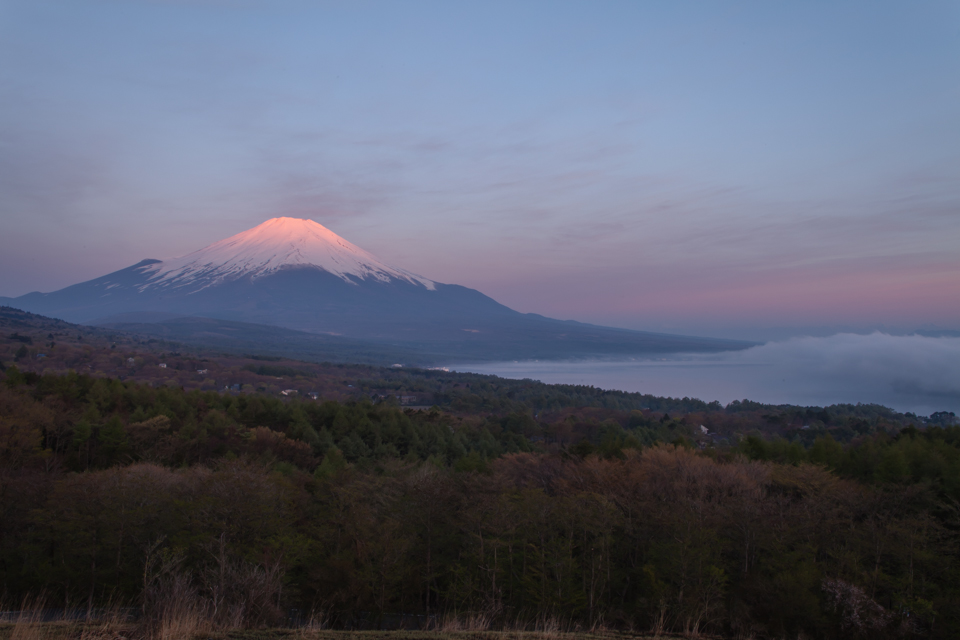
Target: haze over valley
{"x":918,"y":374}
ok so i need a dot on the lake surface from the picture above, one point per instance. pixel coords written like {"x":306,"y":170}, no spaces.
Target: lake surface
{"x":907,"y":373}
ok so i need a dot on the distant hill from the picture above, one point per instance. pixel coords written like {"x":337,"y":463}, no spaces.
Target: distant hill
{"x":298,"y":275}
{"x":212,"y":336}
{"x":246,"y":338}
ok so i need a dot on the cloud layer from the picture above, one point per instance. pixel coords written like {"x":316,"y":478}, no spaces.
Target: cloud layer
{"x":907,"y":373}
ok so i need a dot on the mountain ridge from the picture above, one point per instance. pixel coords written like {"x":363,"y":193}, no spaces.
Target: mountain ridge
{"x":299,"y":275}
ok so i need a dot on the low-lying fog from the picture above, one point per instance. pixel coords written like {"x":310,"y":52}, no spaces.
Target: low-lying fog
{"x":907,"y":373}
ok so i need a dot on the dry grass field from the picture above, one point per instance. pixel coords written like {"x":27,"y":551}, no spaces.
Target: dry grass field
{"x":24,"y":630}
{"x":427,"y":635}
{"x":34,"y":622}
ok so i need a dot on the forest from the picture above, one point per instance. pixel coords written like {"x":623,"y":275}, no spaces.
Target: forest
{"x":250,"y":507}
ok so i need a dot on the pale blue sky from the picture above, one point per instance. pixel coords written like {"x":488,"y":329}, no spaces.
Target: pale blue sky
{"x":684,"y":166}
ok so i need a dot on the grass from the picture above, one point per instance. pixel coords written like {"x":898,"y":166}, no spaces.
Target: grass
{"x":295,"y":634}
{"x":32,"y":621}
{"x":186,"y":619}
{"x":31,"y":630}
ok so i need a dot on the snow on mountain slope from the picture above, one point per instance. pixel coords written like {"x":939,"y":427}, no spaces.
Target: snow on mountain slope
{"x":265,"y":249}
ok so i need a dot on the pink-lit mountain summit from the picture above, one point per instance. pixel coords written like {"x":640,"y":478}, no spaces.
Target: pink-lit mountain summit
{"x":278,"y":243}
{"x":297,"y":274}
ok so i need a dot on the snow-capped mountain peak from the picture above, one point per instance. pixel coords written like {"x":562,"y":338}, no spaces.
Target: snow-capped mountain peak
{"x":278,"y":243}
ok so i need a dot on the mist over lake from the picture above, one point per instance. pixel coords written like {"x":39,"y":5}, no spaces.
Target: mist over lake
{"x":907,"y":373}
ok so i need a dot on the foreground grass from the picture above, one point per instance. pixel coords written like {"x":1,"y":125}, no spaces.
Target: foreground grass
{"x":291,"y":634}
{"x":65,"y":631}
{"x":81,"y":631}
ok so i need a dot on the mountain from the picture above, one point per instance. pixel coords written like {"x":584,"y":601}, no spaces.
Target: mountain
{"x":274,"y":246}
{"x":299,"y":275}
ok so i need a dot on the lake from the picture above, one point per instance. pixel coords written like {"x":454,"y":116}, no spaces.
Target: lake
{"x":907,"y":373}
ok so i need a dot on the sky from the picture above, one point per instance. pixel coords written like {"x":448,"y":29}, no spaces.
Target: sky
{"x":736,"y":169}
